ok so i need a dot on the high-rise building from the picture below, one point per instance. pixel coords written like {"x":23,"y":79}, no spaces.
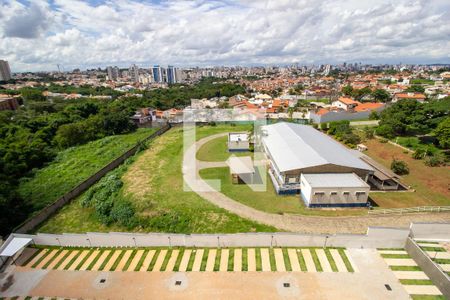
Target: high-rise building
{"x":157,"y":74}
{"x":172,"y":75}
{"x":134,"y":73}
{"x":5,"y":71}
{"x":113,"y":73}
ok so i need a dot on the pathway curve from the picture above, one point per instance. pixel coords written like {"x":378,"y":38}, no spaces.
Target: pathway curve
{"x":289,"y":222}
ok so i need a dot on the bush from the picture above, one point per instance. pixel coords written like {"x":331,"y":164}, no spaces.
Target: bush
{"x":123,"y":212}
{"x":435,"y":160}
{"x":399,"y":167}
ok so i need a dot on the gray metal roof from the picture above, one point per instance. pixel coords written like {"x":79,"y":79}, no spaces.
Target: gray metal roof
{"x":295,"y":146}
{"x":335,"y":180}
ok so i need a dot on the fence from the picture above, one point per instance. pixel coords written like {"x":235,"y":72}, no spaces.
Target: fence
{"x":409,"y":210}
{"x":436,"y":274}
{"x":50,"y":209}
{"x":374,"y":238}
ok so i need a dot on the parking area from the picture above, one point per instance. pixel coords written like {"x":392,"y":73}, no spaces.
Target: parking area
{"x":192,"y":260}
{"x":409,"y":274}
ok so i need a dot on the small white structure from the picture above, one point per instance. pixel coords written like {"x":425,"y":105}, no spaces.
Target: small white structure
{"x":241,"y":169}
{"x":334,"y":190}
{"x":238,"y":141}
{"x":361,"y":147}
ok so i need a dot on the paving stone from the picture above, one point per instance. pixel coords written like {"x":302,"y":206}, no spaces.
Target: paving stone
{"x":400,"y":262}
{"x":172,"y":260}
{"x":323,"y":259}
{"x":440,"y":255}
{"x":112,"y":260}
{"x":265,"y":260}
{"x":338,"y":260}
{"x":68,"y":260}
{"x":185,"y":260}
{"x":37,"y":257}
{"x":445,"y":267}
{"x":211,"y":260}
{"x":410,"y":275}
{"x":224,"y":260}
{"x":349,"y":257}
{"x":392,"y":252}
{"x":159,"y":260}
{"x":57,"y":259}
{"x":90,"y":259}
{"x":135,"y":261}
{"x":251,"y":260}
{"x":198,"y":260}
{"x":279,"y":260}
{"x":147,"y":260}
{"x":293,"y":258}
{"x":79,"y":259}
{"x":310,"y":266}
{"x":100,"y":261}
{"x":237,"y":266}
{"x":422,"y":290}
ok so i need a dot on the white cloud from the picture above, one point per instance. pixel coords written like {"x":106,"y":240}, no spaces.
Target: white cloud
{"x":78,"y":34}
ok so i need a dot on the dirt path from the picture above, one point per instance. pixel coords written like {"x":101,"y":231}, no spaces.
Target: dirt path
{"x":295,"y":223}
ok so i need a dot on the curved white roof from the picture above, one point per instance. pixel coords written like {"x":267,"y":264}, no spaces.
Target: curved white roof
{"x":295,"y":146}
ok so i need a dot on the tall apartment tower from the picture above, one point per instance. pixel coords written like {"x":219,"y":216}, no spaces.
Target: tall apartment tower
{"x":113,"y":73}
{"x":5,"y":71}
{"x":134,"y":73}
{"x":157,"y":74}
{"x":172,"y":75}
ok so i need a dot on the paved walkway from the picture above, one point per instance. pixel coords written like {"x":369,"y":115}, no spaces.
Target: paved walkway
{"x":295,"y":223}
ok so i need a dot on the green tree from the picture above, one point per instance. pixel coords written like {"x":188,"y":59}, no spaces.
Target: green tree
{"x":442,"y":133}
{"x":381,"y":95}
{"x":347,"y":90}
{"x":415,"y":89}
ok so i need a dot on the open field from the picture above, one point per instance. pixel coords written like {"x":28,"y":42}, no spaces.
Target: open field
{"x":217,"y":150}
{"x":431,"y":183}
{"x":268,"y":200}
{"x":154,"y":184}
{"x":74,"y":165}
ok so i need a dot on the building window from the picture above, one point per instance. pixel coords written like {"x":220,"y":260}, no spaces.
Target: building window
{"x":346,"y":195}
{"x":333,"y":196}
{"x":319,"y":196}
{"x":360,"y":195}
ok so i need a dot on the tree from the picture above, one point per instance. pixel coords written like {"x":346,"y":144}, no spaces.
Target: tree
{"x":30,"y":94}
{"x":442,"y":133}
{"x":415,"y":89}
{"x":347,"y":90}
{"x":380,"y":95}
{"x":399,"y":167}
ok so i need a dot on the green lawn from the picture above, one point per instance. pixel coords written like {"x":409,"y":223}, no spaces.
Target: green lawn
{"x":268,"y":200}
{"x":154,"y":184}
{"x":413,"y":143}
{"x":217,"y":150}
{"x":74,"y":165}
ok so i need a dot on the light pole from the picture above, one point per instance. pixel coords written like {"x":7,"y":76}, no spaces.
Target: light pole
{"x":271,"y":241}
{"x":218,"y":242}
{"x":170,"y":243}
{"x":59,"y":242}
{"x":134,"y":239}
{"x":90,"y":245}
{"x":325,"y":243}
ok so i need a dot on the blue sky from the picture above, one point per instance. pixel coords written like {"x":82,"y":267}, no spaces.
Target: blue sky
{"x":38,"y":34}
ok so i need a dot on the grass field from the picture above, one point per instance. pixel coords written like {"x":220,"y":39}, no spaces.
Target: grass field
{"x":74,"y":165}
{"x":217,"y":150}
{"x":430,"y":183}
{"x":154,"y":184}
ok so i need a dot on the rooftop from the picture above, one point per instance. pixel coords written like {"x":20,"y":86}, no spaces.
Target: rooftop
{"x":295,"y":146}
{"x":335,"y":180}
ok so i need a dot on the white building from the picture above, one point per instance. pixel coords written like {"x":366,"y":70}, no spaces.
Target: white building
{"x":238,"y":141}
{"x":134,"y":73}
{"x":295,"y":150}
{"x":334,"y":190}
{"x":113,"y":73}
{"x":5,"y":71}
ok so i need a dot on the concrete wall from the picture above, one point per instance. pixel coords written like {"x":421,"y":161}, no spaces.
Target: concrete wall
{"x":49,"y":210}
{"x":375,"y":238}
{"x":430,"y":231}
{"x":439,"y":278}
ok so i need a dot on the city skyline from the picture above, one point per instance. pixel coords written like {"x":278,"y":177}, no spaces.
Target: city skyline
{"x":39,"y":35}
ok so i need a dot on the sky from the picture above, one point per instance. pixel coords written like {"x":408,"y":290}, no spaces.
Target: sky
{"x":37,"y":35}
